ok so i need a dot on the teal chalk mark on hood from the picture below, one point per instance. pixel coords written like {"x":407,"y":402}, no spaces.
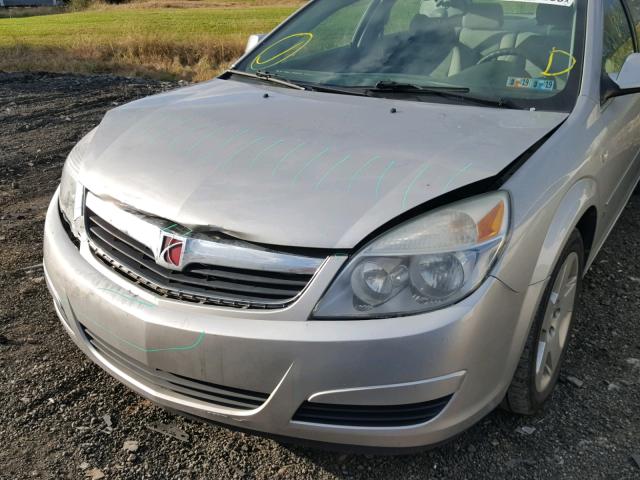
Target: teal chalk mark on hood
{"x":308,"y":163}
{"x":285,"y":157}
{"x":421,"y":172}
{"x":382,"y":175}
{"x":259,"y":155}
{"x":363,"y":168}
{"x":333,"y":167}
{"x":457,"y":175}
{"x":238,"y":151}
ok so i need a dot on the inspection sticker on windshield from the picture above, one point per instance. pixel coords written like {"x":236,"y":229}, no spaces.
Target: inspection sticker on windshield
{"x":562,"y":3}
{"x":543,"y":84}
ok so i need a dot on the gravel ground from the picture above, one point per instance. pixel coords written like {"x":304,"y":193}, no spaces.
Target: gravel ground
{"x":63,"y":417}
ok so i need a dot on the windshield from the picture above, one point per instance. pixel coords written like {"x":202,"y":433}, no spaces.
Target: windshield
{"x":524,"y":53}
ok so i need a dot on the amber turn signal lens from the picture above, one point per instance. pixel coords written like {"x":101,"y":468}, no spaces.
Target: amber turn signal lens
{"x":491,"y":224}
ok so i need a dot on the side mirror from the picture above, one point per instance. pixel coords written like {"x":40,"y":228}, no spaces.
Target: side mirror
{"x":627,"y":82}
{"x":253,"y":41}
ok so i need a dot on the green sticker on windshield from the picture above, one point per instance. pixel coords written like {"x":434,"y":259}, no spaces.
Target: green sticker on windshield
{"x":543,"y":84}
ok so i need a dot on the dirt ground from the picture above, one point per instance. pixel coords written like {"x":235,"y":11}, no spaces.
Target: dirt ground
{"x":56,"y":406}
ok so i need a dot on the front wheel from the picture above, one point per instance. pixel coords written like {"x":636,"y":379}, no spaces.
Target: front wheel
{"x":539,"y":366}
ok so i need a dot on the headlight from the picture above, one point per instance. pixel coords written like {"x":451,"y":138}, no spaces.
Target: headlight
{"x":425,"y":264}
{"x":71,"y":191}
{"x":70,"y":199}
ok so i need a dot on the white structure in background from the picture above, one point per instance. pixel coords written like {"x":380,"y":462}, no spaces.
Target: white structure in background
{"x":30,"y":3}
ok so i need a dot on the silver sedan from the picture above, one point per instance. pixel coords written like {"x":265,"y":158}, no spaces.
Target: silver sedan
{"x":371,"y":230}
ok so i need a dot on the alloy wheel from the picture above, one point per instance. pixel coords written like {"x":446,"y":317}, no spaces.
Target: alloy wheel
{"x":557,"y":320}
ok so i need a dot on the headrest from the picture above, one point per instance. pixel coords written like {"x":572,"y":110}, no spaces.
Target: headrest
{"x":453,"y":8}
{"x":554,"y":15}
{"x":484,"y":16}
{"x":438,"y":28}
{"x":422,"y":23}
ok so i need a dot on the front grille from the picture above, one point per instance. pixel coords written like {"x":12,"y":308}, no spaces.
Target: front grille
{"x":178,"y":384}
{"x":370,"y":415}
{"x":197,"y":283}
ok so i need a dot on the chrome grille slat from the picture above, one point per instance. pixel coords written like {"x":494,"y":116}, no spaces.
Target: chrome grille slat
{"x":123,"y":238}
{"x":198,"y":283}
{"x":244,"y":277}
{"x":229,"y":397}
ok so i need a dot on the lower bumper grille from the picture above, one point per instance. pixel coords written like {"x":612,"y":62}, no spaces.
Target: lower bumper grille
{"x":211,"y":393}
{"x":370,"y":415}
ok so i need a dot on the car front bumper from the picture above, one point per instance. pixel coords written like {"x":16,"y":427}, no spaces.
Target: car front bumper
{"x":468,"y":351}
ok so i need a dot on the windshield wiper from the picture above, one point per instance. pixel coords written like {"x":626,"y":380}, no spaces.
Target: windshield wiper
{"x":458,"y":93}
{"x":396,"y":87}
{"x":359,"y":92}
{"x":381,"y":87}
{"x":266,"y":77}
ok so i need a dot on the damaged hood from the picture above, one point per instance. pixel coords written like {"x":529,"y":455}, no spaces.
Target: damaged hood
{"x":296,"y":168}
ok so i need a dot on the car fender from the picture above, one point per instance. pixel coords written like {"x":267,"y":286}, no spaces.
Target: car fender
{"x":580,"y":197}
{"x":565,"y":217}
{"x":537,"y":239}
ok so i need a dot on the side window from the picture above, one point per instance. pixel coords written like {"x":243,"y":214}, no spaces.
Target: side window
{"x":634,"y":6}
{"x":618,"y":39}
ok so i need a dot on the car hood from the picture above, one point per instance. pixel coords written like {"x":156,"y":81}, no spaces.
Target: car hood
{"x":297,"y":168}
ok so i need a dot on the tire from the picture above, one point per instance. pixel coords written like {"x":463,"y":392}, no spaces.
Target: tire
{"x":537,"y":372}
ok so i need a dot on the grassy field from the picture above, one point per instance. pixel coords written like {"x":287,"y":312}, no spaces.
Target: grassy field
{"x":182,"y":39}
{"x":166,"y":39}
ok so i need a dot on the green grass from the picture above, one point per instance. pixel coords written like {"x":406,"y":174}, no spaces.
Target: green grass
{"x":153,"y":39}
{"x":108,"y":26}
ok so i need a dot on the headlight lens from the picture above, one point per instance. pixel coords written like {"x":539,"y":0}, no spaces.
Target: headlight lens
{"x":71,"y":191}
{"x":70,"y":199}
{"x":427,"y":263}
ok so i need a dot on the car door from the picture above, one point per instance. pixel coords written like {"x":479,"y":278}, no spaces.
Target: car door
{"x":619,"y":117}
